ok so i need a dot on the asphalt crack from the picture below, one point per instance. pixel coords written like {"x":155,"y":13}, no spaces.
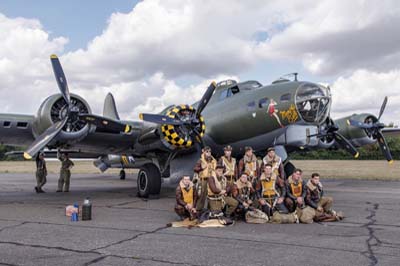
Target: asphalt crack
{"x":132,"y":238}
{"x":372,"y":240}
{"x":12,"y":226}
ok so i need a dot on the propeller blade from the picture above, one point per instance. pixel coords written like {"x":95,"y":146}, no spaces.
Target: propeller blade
{"x":383,"y":107}
{"x":106,"y":123}
{"x":206,"y":98}
{"x":359,"y":124}
{"x":384,"y":147}
{"x":160,"y":119}
{"x":345,"y":144}
{"x":44,"y":139}
{"x":60,"y":77}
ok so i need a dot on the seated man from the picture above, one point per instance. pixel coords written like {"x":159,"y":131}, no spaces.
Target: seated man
{"x":218,"y":193}
{"x":186,"y":199}
{"x":243,"y":192}
{"x":295,"y":189}
{"x":323,"y":205}
{"x":271,"y":192}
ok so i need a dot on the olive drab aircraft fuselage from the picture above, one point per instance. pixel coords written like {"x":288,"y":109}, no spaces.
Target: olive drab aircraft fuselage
{"x":288,"y":114}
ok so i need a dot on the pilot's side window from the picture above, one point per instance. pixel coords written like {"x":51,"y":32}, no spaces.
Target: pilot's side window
{"x":251,"y":106}
{"x":285,"y":97}
{"x":223,"y":95}
{"x":263,"y":103}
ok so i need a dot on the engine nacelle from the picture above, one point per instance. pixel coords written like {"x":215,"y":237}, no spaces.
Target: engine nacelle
{"x":357,"y":136}
{"x":53,"y":109}
{"x":181,"y":136}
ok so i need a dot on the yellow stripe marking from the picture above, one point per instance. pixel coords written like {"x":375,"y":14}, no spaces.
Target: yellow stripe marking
{"x":357,"y":155}
{"x":53,"y":56}
{"x":27,"y":156}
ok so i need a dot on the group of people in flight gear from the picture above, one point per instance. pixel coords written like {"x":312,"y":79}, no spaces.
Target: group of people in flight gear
{"x":65,"y":172}
{"x":253,"y":190}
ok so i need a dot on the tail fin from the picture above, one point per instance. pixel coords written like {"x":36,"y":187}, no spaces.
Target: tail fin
{"x":109,"y":109}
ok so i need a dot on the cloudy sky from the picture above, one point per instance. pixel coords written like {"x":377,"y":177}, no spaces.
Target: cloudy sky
{"x":153,"y":53}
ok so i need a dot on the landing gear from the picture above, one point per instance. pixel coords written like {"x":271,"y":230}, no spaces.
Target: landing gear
{"x":122,"y":174}
{"x":149,"y":181}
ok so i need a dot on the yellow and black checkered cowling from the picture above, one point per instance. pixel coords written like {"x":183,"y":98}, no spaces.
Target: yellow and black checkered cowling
{"x":172,"y":134}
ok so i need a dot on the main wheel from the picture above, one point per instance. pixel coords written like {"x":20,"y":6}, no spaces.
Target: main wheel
{"x":149,"y":181}
{"x":122,"y":174}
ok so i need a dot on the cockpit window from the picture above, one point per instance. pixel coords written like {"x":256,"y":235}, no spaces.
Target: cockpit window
{"x":313,"y":102}
{"x":285,"y":97}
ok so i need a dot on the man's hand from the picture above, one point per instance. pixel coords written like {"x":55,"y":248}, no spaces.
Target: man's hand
{"x":320,"y":209}
{"x":245,"y":205}
{"x":262,"y":202}
{"x":223,"y":192}
{"x":280,"y":200}
{"x":300,"y":200}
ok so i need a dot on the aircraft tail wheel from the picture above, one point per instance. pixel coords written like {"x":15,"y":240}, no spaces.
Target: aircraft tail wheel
{"x":149,"y":181}
{"x":122,"y":174}
{"x":289,"y":168}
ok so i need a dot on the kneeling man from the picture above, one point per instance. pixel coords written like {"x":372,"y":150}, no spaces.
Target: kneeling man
{"x":186,"y":199}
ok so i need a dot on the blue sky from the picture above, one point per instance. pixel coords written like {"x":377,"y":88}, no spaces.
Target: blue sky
{"x":78,"y":20}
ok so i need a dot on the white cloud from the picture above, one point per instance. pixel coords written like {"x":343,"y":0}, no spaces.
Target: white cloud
{"x":337,"y":37}
{"x":139,"y":54}
{"x":25,"y":72}
{"x":364,"y":91}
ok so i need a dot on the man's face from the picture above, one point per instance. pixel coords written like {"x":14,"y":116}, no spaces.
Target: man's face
{"x":267,"y":170}
{"x":296,"y":175}
{"x":315,"y":180}
{"x":186,"y":180}
{"x":219,"y":171}
{"x":243,"y":178}
{"x":207,"y":153}
{"x":249,"y":153}
{"x":271,"y":154}
{"x":228,"y":153}
{"x":41,"y":157}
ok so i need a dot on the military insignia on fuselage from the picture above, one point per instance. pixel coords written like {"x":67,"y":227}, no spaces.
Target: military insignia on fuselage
{"x":290,"y":114}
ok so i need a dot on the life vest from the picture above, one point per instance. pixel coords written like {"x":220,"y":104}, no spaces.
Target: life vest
{"x":296,"y":189}
{"x":187,"y":195}
{"x":229,"y":166}
{"x":219,"y":184}
{"x":268,"y":187}
{"x":208,"y":167}
{"x":250,"y":165}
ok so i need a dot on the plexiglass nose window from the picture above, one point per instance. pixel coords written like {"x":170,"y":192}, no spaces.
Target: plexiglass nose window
{"x":313,"y":102}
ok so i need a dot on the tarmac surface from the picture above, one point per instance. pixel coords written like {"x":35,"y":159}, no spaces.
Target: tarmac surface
{"x":127,"y":230}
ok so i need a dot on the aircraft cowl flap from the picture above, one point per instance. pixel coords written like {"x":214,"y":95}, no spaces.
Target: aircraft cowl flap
{"x":110,"y":109}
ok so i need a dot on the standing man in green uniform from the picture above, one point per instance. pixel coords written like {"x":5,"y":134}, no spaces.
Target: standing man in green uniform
{"x":41,"y":172}
{"x":205,"y":168}
{"x":230,"y":171}
{"x":65,"y":172}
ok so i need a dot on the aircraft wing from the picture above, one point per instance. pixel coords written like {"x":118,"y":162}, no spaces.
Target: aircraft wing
{"x":16,"y":130}
{"x":391,"y":132}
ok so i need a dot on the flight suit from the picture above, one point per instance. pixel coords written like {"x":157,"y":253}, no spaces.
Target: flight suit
{"x":41,"y":173}
{"x":185,"y":195}
{"x":243,"y":193}
{"x":250,"y":167}
{"x":294,"y":190}
{"x":216,"y":201}
{"x":65,"y":174}
{"x":271,"y":189}
{"x":205,"y":169}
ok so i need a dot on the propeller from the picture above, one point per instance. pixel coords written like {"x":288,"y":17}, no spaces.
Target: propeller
{"x":331,"y":131}
{"x":374,"y":129}
{"x":70,"y":117}
{"x":189,"y":124}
